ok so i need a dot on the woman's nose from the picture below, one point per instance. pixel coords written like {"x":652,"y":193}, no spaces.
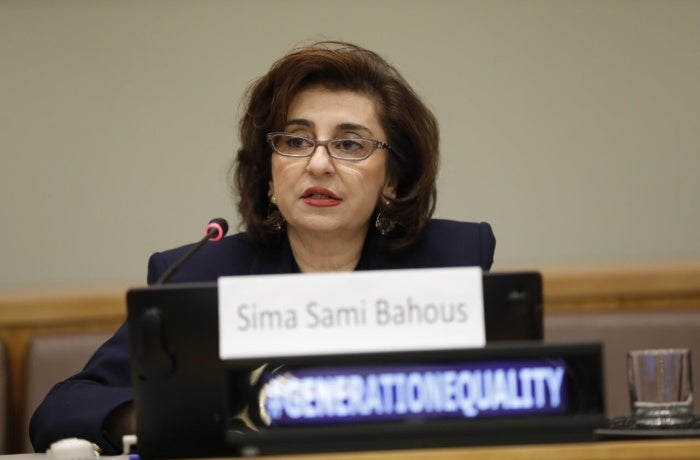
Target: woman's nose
{"x":320,"y":161}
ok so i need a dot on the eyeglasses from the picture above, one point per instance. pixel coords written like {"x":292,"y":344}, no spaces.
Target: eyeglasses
{"x":350,"y":148}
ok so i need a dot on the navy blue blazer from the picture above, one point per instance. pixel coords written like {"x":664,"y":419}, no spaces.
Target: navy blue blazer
{"x":78,"y":406}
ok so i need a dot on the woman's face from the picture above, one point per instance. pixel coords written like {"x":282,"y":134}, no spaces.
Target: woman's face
{"x":323,"y":194}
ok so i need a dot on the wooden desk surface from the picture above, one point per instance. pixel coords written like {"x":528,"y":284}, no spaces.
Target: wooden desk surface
{"x":611,"y":450}
{"x":681,"y":449}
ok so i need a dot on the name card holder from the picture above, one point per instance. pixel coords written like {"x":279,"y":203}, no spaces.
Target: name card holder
{"x":185,"y":397}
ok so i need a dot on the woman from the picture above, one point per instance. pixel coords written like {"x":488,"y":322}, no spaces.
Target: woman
{"x":336,"y":171}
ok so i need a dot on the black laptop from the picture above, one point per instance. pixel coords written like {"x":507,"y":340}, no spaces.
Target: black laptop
{"x":191,"y":404}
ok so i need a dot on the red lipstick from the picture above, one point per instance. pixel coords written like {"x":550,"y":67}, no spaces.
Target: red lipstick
{"x":320,"y":197}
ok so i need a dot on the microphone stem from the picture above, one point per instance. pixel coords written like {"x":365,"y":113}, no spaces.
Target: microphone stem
{"x":174,"y":267}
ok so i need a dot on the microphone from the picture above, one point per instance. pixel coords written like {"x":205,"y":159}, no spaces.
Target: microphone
{"x":215,"y":230}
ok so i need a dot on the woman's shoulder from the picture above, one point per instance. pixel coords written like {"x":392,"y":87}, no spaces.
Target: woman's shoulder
{"x":233,"y":255}
{"x":453,"y":243}
{"x":452,"y":226}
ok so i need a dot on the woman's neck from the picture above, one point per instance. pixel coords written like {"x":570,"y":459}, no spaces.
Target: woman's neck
{"x":315,"y":252}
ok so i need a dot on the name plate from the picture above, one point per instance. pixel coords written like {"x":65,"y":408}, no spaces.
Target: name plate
{"x":267,"y":316}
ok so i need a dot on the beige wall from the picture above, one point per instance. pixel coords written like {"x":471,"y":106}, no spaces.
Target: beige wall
{"x":572,"y":126}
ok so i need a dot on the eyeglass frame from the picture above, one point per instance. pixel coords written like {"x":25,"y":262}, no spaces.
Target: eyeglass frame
{"x":375,"y":145}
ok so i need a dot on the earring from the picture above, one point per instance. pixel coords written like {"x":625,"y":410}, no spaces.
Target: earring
{"x":274,"y":216}
{"x":384,"y":224}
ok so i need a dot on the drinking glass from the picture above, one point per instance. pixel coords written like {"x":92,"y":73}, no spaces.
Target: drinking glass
{"x":660,"y":385}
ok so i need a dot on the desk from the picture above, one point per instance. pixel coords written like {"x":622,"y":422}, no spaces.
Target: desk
{"x":612,"y":450}
{"x":681,"y":449}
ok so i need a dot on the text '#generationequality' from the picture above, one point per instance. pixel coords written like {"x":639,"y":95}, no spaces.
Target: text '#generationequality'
{"x":389,"y":395}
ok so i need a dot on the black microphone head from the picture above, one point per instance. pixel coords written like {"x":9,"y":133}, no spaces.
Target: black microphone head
{"x":217,"y":229}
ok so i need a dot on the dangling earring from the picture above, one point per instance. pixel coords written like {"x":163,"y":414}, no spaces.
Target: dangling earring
{"x":384,"y":224}
{"x":274,"y":216}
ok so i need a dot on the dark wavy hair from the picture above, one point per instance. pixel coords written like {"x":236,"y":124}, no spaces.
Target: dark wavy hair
{"x":411,"y":128}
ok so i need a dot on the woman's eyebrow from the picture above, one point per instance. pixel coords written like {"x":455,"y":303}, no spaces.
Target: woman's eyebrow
{"x":354,"y":127}
{"x":341,"y":126}
{"x":300,"y":122}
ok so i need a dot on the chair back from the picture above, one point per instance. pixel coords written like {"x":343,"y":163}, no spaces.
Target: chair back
{"x":51,"y":359}
{"x":4,"y":398}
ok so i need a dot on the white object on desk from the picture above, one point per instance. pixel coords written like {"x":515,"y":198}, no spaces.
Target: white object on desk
{"x":71,"y":449}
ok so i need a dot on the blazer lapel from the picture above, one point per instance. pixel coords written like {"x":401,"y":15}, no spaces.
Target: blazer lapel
{"x":272,"y":260}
